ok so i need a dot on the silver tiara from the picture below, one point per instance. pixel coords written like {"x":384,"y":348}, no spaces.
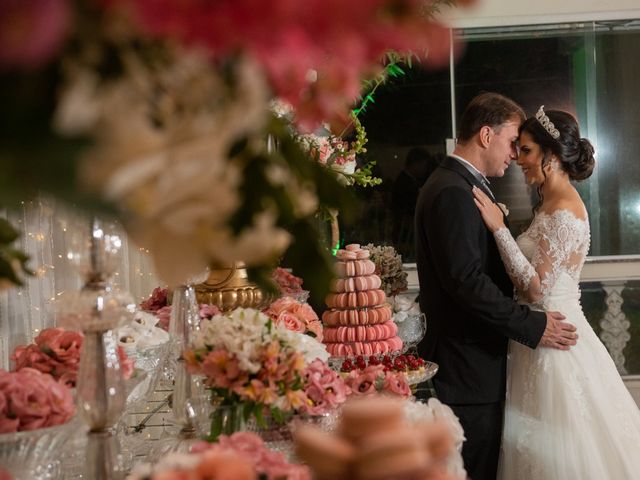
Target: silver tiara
{"x":546,"y":123}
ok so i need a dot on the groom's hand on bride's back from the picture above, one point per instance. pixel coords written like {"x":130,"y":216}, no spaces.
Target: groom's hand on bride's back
{"x":558,"y":333}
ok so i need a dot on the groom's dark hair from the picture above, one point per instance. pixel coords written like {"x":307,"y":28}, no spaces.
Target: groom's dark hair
{"x":488,"y":108}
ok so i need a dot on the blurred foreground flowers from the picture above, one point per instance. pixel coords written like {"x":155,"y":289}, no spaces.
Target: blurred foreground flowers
{"x":158,"y":111}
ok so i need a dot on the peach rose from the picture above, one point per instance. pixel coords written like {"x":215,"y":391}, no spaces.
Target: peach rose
{"x":291,"y":322}
{"x":224,"y":465}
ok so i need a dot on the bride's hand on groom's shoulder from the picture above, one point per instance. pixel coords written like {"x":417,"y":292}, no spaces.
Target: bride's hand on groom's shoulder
{"x":492,"y":214}
{"x":558,"y":333}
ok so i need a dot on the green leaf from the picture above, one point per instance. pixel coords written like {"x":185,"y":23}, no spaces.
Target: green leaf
{"x":216,"y":425}
{"x":8,"y":234}
{"x":278,"y":415}
{"x":258,"y":413}
{"x":6,"y":271}
{"x":247,"y":409}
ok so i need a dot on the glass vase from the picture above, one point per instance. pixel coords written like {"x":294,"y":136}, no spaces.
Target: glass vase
{"x":226,"y":420}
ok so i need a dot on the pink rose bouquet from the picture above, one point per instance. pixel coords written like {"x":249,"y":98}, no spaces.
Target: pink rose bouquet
{"x":57,"y":351}
{"x":296,"y":316}
{"x":30,"y":399}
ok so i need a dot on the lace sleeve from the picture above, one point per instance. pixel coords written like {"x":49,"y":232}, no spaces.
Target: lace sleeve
{"x":518,"y":267}
{"x":561,"y":246}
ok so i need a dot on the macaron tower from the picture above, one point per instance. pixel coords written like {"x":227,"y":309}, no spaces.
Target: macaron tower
{"x":358,"y":321}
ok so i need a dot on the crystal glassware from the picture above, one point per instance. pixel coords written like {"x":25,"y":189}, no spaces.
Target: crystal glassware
{"x":412,"y":330}
{"x":34,"y":454}
{"x":184,"y":324}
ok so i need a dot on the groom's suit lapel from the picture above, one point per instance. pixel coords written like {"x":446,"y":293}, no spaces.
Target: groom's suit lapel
{"x":454,"y":165}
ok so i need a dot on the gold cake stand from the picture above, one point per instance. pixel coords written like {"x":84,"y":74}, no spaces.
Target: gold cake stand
{"x":229,"y":288}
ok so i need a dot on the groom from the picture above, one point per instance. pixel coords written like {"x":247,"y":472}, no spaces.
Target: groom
{"x":464,"y":289}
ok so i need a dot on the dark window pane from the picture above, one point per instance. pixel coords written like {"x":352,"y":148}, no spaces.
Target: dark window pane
{"x":412,"y":111}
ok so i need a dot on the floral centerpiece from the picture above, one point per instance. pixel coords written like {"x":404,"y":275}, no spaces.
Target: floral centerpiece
{"x":57,"y":351}
{"x":254,"y":368}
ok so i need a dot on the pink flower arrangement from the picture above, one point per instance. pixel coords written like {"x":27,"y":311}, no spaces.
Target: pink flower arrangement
{"x":296,"y":316}
{"x":266,"y":463}
{"x":325,"y":389}
{"x":287,"y":282}
{"x":30,"y":399}
{"x":57,"y":351}
{"x":374,"y":379}
{"x":258,"y":368}
{"x":158,"y":305}
{"x":278,"y":383}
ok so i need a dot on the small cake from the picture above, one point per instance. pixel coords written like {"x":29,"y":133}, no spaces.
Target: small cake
{"x":358,"y":321}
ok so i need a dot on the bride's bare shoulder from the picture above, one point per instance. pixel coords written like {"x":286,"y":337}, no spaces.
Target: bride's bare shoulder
{"x":569,"y":203}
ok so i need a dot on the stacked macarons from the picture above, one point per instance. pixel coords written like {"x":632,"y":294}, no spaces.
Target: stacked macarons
{"x":358,"y":321}
{"x":375,"y":442}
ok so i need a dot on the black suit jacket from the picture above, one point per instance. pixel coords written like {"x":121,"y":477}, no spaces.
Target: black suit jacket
{"x":465,"y":292}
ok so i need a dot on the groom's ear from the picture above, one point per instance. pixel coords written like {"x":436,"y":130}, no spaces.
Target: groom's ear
{"x":484,"y":136}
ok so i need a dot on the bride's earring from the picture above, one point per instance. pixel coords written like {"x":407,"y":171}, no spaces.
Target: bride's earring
{"x":553,"y":165}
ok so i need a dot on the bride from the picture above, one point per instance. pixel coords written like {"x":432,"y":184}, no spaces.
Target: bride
{"x":568,"y":415}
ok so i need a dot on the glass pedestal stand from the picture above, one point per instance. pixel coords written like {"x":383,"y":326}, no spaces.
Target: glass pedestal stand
{"x":96,"y":310}
{"x":185,"y":322}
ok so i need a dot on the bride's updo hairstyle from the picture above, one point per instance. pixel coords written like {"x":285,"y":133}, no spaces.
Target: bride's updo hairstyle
{"x":557,"y":133}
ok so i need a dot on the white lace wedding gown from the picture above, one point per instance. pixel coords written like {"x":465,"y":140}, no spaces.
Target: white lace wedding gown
{"x":568,"y":415}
